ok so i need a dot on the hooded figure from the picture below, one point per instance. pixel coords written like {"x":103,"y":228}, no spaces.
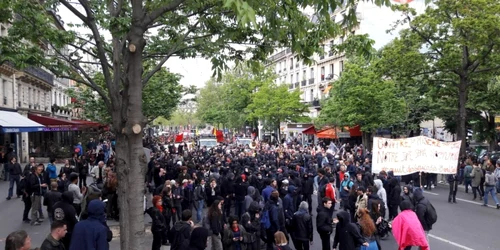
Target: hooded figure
{"x":407,"y":230}
{"x":63,"y":210}
{"x":347,"y":235}
{"x":421,"y":208}
{"x":249,"y":198}
{"x":289,"y":203}
{"x":198,"y":240}
{"x":382,"y":194}
{"x":92,"y":233}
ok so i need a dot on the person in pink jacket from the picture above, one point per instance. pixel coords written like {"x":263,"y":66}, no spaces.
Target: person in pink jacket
{"x":407,"y":229}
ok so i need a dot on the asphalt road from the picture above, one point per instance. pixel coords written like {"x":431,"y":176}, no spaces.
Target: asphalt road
{"x":466,"y":225}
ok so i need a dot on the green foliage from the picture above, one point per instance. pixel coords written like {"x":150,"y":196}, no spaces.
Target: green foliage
{"x":450,"y":51}
{"x":160,"y":97}
{"x":178,"y":118}
{"x":236,"y":100}
{"x":273,"y":103}
{"x":363,"y":97}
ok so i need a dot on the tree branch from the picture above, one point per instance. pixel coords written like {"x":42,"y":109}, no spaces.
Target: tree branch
{"x":75,"y":11}
{"x":169,"y":54}
{"x":422,"y":36}
{"x":91,"y":82}
{"x":153,"y":15}
{"x":101,"y":52}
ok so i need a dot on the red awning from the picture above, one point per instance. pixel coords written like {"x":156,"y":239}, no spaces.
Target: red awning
{"x":328,"y":133}
{"x":355,"y":131}
{"x":309,"y":131}
{"x":88,"y":123}
{"x":52,"y":122}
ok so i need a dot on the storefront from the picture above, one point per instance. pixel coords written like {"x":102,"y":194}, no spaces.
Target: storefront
{"x":14,"y":130}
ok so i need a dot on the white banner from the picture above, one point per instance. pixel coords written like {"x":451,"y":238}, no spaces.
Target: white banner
{"x":416,"y":154}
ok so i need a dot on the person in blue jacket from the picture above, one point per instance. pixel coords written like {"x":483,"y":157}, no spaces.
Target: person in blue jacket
{"x":92,"y":233}
{"x":52,"y":170}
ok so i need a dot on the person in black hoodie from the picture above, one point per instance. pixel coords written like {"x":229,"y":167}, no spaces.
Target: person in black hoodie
{"x":181,"y":231}
{"x":50,"y":198}
{"x":240,"y":191}
{"x":307,"y":190}
{"x":324,"y":223}
{"x":421,"y":209}
{"x":347,"y":235}
{"x":276,"y":217}
{"x":65,"y":211}
{"x":394,"y":198}
{"x":227,"y":191}
{"x":371,"y":192}
{"x":302,"y":234}
{"x":198,"y":240}
{"x":251,"y":222}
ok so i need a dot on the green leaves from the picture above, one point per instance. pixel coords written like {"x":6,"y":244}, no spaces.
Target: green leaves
{"x":245,"y":95}
{"x":363,"y":97}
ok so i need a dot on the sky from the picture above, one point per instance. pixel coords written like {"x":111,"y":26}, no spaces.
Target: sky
{"x":197,"y":71}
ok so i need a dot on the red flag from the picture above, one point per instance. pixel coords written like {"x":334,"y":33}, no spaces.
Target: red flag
{"x":178,"y":138}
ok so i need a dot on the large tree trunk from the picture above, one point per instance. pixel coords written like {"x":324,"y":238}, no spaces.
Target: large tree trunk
{"x":129,"y":121}
{"x":462,"y":114}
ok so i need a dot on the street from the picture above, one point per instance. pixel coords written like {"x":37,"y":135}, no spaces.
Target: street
{"x":465,"y":225}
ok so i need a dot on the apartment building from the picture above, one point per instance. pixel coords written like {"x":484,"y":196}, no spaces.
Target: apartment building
{"x":33,"y":106}
{"x":317,"y":80}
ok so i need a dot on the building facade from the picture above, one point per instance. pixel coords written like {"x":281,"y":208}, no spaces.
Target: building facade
{"x":31,"y":92}
{"x":315,"y":81}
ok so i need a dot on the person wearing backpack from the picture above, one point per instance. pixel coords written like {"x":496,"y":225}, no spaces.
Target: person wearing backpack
{"x":425,"y":211}
{"x":489,"y":183}
{"x":467,"y":175}
{"x":345,"y":187}
{"x":273,"y":219}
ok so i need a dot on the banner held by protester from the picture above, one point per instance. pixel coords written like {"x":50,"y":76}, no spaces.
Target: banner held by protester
{"x":416,"y":154}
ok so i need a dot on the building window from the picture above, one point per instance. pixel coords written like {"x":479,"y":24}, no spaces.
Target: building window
{"x":20,"y":94}
{"x":312,"y":95}
{"x":322,"y":73}
{"x":29,"y":96}
{"x":297,"y":78}
{"x":312,"y":73}
{"x":331,"y":70}
{"x":304,"y":75}
{"x":291,"y":63}
{"x":291,"y":78}
{"x":341,"y":66}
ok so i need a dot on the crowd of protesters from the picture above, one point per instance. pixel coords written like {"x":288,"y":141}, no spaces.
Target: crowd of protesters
{"x":236,"y":197}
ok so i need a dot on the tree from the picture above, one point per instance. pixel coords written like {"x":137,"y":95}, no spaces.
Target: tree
{"x":361,"y":96}
{"x":179,"y":119}
{"x":160,"y":98}
{"x":454,"y":45}
{"x":210,"y":104}
{"x":122,"y":36}
{"x":273,"y":104}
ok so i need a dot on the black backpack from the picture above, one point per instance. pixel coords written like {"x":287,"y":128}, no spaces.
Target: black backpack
{"x":430,"y":214}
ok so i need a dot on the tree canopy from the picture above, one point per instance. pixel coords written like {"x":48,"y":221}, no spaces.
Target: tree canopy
{"x":451,"y":47}
{"x":361,"y":96}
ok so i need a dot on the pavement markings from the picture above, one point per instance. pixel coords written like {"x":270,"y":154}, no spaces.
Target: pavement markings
{"x":427,"y":192}
{"x":450,"y":242}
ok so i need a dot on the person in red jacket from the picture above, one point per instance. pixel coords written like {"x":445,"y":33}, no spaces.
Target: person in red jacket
{"x":330,"y":192}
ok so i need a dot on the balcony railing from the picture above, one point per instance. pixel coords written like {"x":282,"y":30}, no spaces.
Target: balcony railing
{"x":330,"y":53}
{"x":290,"y":86}
{"x":291,"y":66}
{"x":297,"y":84}
{"x":303,"y":83}
{"x":311,"y":80}
{"x":296,"y":65}
{"x":40,"y":74}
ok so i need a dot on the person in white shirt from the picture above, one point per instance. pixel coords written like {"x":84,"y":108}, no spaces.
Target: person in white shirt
{"x":77,"y":194}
